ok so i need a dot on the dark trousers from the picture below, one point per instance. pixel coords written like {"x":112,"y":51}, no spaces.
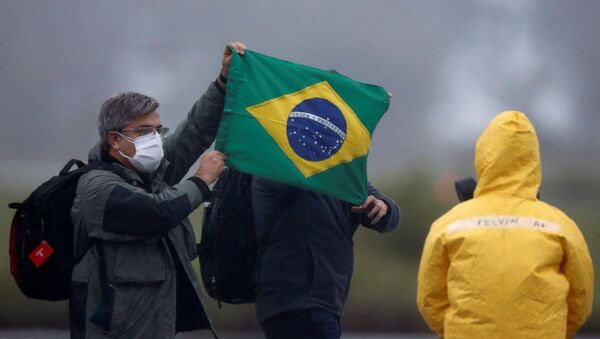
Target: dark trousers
{"x":312,"y":323}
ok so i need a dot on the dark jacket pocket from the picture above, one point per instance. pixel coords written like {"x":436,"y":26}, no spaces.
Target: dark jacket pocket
{"x":141,"y":263}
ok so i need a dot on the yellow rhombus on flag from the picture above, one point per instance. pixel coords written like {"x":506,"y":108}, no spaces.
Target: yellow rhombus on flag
{"x":273,"y":116}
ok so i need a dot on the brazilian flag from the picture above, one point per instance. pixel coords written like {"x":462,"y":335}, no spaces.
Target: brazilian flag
{"x":299,"y":125}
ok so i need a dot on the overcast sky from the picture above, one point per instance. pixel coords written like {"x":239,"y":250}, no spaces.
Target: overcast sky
{"x":451,"y":65}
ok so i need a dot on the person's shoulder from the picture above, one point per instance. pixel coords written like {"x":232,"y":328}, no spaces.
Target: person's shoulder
{"x":459,"y":211}
{"x":556,"y":215}
{"x":97,"y":178}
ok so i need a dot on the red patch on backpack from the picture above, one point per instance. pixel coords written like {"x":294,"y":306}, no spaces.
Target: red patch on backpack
{"x":40,"y":253}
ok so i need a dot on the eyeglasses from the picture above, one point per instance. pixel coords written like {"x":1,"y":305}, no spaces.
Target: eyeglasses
{"x":140,"y":131}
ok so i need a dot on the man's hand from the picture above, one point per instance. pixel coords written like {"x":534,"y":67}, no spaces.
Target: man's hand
{"x":376,"y":209}
{"x":211,"y":165}
{"x":239,"y":47}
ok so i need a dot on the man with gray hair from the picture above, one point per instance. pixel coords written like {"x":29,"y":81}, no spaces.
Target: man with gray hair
{"x":135,"y":278}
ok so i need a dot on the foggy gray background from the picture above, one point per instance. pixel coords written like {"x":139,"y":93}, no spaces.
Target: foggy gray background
{"x":451,"y":65}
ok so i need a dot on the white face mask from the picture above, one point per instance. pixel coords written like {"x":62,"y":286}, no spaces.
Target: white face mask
{"x":148,"y":152}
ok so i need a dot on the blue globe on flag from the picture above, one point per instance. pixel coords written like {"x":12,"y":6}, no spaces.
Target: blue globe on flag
{"x":316,"y":129}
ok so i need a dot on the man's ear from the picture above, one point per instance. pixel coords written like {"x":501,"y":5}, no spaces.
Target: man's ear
{"x":113,"y":140}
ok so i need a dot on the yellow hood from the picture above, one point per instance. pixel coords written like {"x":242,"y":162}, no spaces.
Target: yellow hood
{"x":507,"y":157}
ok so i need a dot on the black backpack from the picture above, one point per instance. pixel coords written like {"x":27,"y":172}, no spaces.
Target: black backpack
{"x":228,"y":249}
{"x":41,"y":236}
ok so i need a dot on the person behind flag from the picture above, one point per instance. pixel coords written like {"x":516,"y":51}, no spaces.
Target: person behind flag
{"x":505,"y":264}
{"x":306,"y":256}
{"x":314,"y":126}
{"x":135,"y":278}
{"x":304,"y":134}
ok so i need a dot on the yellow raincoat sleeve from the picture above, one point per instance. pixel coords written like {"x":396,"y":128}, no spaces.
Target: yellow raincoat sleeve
{"x":432,"y":293}
{"x":580,"y":274}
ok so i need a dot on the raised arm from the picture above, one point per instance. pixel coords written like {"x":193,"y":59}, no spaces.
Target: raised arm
{"x":194,"y":135}
{"x":198,"y":131}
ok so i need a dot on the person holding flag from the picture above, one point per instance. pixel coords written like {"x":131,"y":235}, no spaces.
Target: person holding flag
{"x":131,"y":230}
{"x":304,"y":134}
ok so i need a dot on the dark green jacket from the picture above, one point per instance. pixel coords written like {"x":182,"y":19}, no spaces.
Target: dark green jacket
{"x":149,"y":244}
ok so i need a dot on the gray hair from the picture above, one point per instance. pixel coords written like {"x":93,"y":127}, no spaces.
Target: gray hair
{"x":117,"y":111}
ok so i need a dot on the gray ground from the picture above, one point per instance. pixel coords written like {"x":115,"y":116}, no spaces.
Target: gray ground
{"x":59,"y":334}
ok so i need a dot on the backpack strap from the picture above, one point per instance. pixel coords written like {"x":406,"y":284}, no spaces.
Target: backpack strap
{"x":103,"y":314}
{"x":17,"y":205}
{"x":65,"y":170}
{"x":110,"y":167}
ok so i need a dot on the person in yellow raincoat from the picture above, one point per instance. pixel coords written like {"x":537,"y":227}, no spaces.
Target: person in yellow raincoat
{"x":505,"y":264}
